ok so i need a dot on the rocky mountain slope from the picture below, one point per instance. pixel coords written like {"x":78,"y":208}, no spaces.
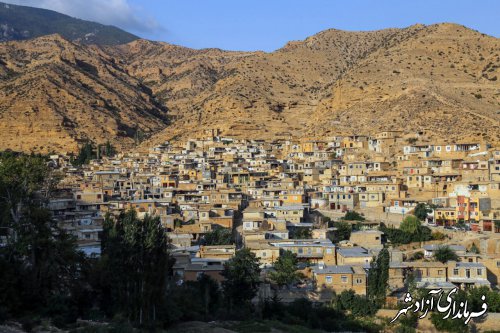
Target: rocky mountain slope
{"x":440,"y":78}
{"x":21,"y":22}
{"x":54,"y":94}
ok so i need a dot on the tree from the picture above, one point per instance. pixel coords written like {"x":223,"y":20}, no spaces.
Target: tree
{"x":302,"y":233}
{"x":410,"y":224}
{"x":85,"y":154}
{"x":378,"y":277}
{"x":135,"y":264}
{"x":109,"y":149}
{"x":342,"y":232}
{"x":285,"y":269}
{"x":242,"y":277}
{"x":445,"y":254}
{"x":421,"y":211}
{"x":219,"y":236}
{"x":353,"y":216}
{"x":40,"y":261}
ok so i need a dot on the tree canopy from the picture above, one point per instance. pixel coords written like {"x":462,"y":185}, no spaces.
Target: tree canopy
{"x":445,"y":254}
{"x":410,"y":224}
{"x":242,"y":277}
{"x":285,"y":269}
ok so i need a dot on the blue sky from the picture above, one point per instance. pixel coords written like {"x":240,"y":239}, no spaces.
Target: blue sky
{"x":269,"y":24}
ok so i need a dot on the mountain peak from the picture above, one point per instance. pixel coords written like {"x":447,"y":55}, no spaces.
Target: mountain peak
{"x":21,"y":22}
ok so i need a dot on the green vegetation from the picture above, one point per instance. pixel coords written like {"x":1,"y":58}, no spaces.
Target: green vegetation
{"x":302,"y":233}
{"x":219,"y":236}
{"x":87,"y":152}
{"x":285,"y":269}
{"x":343,"y":231}
{"x":421,"y":211}
{"x":378,"y":277}
{"x":410,"y":224}
{"x":399,"y":236}
{"x":242,"y":278}
{"x":445,"y":254}
{"x":39,"y":22}
{"x":355,"y":304}
{"x":353,"y":216}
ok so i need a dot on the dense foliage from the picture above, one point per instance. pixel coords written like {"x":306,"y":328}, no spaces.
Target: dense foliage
{"x":421,"y":211}
{"x":398,"y":236}
{"x":302,"y":233}
{"x":219,"y":236}
{"x":378,"y":277}
{"x":285,"y":269}
{"x":410,"y":224}
{"x":353,"y":216}
{"x":445,"y":254}
{"x":342,"y":232}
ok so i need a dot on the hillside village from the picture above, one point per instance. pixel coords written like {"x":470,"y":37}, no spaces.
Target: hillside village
{"x":291,"y":195}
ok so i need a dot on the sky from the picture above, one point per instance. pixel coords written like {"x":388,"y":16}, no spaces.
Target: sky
{"x":249,"y":25}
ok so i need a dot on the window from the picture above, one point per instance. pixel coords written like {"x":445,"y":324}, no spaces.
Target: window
{"x":440,"y":272}
{"x":479,"y":271}
{"x":329,"y":251}
{"x":264,"y":254}
{"x":455,"y":271}
{"x":359,"y":281}
{"x":328,"y":279}
{"x":301,"y":250}
{"x":343,"y":278}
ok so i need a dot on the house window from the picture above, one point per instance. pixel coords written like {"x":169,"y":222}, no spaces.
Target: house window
{"x":440,"y":272}
{"x":343,"y":278}
{"x":455,"y":271}
{"x":264,"y":254}
{"x":359,"y":281}
{"x":329,"y":251}
{"x":328,"y":279}
{"x":301,"y":250}
{"x":479,"y":271}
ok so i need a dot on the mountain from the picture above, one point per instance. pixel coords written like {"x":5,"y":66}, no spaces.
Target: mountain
{"x":56,"y":94}
{"x":441,"y":79}
{"x":21,"y":22}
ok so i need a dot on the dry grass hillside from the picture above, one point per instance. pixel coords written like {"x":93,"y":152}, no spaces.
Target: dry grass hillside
{"x":441,"y":78}
{"x":55,"y":94}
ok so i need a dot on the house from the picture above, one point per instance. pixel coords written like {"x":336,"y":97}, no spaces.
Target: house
{"x":367,"y":238}
{"x":354,"y":256}
{"x":340,"y":278}
{"x":429,"y":250}
{"x":468,"y":274}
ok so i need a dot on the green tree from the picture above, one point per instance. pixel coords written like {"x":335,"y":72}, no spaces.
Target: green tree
{"x":85,"y":154}
{"x":109,"y":149}
{"x":445,"y":254}
{"x":342,"y":232}
{"x":242,"y":278}
{"x":353,"y":216}
{"x":474,"y":248}
{"x":378,"y":277}
{"x":302,"y":233}
{"x":410,"y":224}
{"x":219,"y":236}
{"x":41,"y":267}
{"x":135,"y":264}
{"x":421,"y":211}
{"x":285,"y":269}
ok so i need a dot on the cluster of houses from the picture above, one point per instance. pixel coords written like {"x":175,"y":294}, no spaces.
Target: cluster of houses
{"x":266,"y":193}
